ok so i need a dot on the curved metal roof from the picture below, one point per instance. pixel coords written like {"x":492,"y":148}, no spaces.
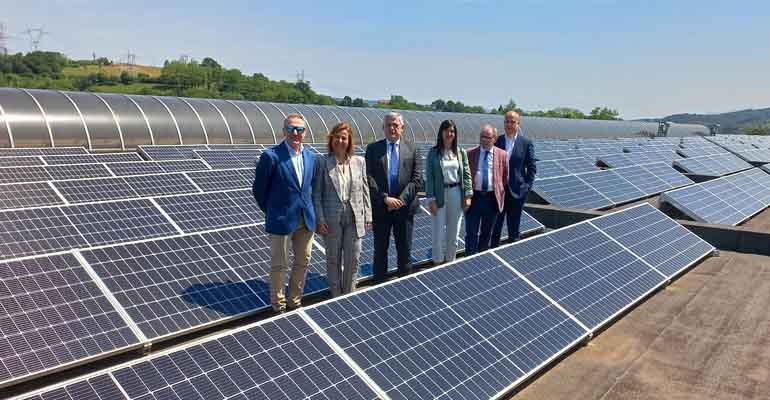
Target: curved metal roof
{"x":50,"y":118}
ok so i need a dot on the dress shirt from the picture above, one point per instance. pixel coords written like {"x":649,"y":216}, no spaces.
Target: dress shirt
{"x":490,"y":170}
{"x":509,"y":143}
{"x":296,"y":160}
{"x":343,"y":171}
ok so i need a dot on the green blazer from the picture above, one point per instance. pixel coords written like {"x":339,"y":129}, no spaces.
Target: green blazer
{"x":434,"y":178}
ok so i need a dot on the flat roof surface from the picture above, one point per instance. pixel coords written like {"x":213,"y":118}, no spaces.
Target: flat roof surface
{"x":706,"y":336}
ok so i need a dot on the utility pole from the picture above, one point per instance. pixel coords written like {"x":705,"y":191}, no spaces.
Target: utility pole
{"x":4,"y":40}
{"x":301,"y":76}
{"x":35,"y":35}
{"x":131,"y":62}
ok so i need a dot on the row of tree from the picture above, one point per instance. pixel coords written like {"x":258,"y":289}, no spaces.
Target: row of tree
{"x":209,"y":79}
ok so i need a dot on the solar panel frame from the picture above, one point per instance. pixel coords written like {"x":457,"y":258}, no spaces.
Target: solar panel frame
{"x":643,"y":179}
{"x":21,"y":161}
{"x":571,"y":192}
{"x":612,"y":186}
{"x":40,"y":151}
{"x":668,"y":174}
{"x":55,"y":317}
{"x":222,"y":179}
{"x":577,"y":165}
{"x":135,"y":168}
{"x":97,"y":387}
{"x":161,"y":185}
{"x":550,"y":169}
{"x":24,"y":174}
{"x":36,"y":231}
{"x":84,"y":171}
{"x":219,"y":159}
{"x":205,"y":211}
{"x":695,"y":200}
{"x":93,"y":190}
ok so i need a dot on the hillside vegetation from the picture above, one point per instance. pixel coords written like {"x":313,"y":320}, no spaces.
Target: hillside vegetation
{"x":752,"y":122}
{"x":209,"y":79}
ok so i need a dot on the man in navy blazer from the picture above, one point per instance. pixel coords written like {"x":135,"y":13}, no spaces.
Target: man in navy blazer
{"x":283,"y":187}
{"x":521,"y":176}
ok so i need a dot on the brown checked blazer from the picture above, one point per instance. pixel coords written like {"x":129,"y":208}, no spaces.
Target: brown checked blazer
{"x":499,"y":171}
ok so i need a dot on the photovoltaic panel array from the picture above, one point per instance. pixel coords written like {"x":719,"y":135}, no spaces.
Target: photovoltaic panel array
{"x":223,"y":179}
{"x":701,"y":150}
{"x":729,"y":200}
{"x":97,"y":387}
{"x":90,"y":190}
{"x":468,"y":329}
{"x":37,"y":231}
{"x":161,"y":153}
{"x":92,"y":158}
{"x":754,"y":155}
{"x":571,"y":192}
{"x":475,"y":328}
{"x":229,"y":159}
{"x":637,"y":158}
{"x":20,"y":161}
{"x":714,"y":165}
{"x":156,"y":167}
{"x":54,"y":315}
{"x":52,"y":173}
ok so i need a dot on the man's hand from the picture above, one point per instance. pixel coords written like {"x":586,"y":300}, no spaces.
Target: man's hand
{"x":368,"y":226}
{"x":466,"y":204}
{"x":322,"y":229}
{"x":393,"y":203}
{"x":433,"y":207}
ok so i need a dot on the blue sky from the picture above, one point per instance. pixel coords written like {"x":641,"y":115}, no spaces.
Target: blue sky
{"x":646,"y":59}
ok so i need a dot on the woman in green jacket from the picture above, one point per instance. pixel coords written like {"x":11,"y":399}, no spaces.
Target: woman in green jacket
{"x":448,"y":189}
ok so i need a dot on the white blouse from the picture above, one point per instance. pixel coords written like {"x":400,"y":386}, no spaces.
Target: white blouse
{"x":450,"y":167}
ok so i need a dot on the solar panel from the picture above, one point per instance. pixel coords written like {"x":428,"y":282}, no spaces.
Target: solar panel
{"x":204,"y":211}
{"x":754,"y":182}
{"x":732,"y":194}
{"x":219,"y":159}
{"x":247,"y":250}
{"x":183,"y":166}
{"x":466,"y":330}
{"x":160,"y":185}
{"x":223,"y":179}
{"x":713,"y":165}
{"x":98,"y":387}
{"x":36,"y":231}
{"x":699,"y":150}
{"x":20,"y":161}
{"x":755,"y":155}
{"x":117,"y":222}
{"x":70,"y":159}
{"x":585,"y":271}
{"x":701,"y":205}
{"x":24,"y":174}
{"x":245,"y":200}
{"x":27,"y":195}
{"x":16,"y":152}
{"x":281,"y":358}
{"x":612,"y":186}
{"x":668,"y":174}
{"x":571,"y":192}
{"x":54,"y":315}
{"x":648,"y":233}
{"x":550,"y":169}
{"x":88,"y":190}
{"x":576,"y":165}
{"x":64,"y":172}
{"x":135,"y":168}
{"x":165,"y":152}
{"x":643,"y":179}
{"x":171,"y":285}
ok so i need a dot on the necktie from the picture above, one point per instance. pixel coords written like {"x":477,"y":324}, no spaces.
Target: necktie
{"x":393,"y":169}
{"x":485,"y":172}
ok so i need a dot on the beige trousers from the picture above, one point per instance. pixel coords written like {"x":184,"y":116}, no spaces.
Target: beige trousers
{"x":302,"y":243}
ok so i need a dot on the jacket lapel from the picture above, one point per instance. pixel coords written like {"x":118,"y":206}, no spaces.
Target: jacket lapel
{"x":385,"y":148}
{"x":307,"y":166}
{"x":334,"y":176}
{"x":283,"y":153}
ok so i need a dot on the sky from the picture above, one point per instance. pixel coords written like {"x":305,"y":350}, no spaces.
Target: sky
{"x":643,"y":58}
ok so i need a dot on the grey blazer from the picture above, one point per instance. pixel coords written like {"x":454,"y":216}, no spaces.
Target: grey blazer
{"x":326,"y":198}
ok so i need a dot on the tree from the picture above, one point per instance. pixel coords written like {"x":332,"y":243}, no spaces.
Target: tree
{"x":603,"y":113}
{"x":762,"y":128}
{"x":346,"y":101}
{"x":359,"y":102}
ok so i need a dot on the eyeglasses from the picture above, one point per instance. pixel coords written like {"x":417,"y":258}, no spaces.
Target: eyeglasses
{"x":298,"y":129}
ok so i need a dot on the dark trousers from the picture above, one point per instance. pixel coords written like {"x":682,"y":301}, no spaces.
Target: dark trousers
{"x":512,"y":215}
{"x":401,"y":222}
{"x":482,"y":215}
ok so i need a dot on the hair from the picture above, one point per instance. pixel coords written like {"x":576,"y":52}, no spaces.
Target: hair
{"x":393,"y":115}
{"x":341,"y":127}
{"x":485,"y":126}
{"x":291,"y":116}
{"x":448,"y":123}
{"x":513,"y":114}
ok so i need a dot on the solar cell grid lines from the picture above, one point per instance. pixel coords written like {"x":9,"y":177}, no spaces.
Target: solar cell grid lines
{"x":160,"y":185}
{"x":177,"y":152}
{"x":713,"y":165}
{"x":156,"y":167}
{"x":581,"y":268}
{"x":89,"y":190}
{"x":643,"y":179}
{"x":171,"y":285}
{"x":448,"y":333}
{"x":16,"y":152}
{"x":98,"y":387}
{"x":27,"y":195}
{"x":571,"y":192}
{"x":64,"y":172}
{"x":54,"y":315}
{"x":20,"y":161}
{"x":118,"y":222}
{"x":204,"y":211}
{"x":36,"y":231}
{"x":613,"y":186}
{"x":219,"y":159}
{"x":224,"y":179}
{"x":24,"y":174}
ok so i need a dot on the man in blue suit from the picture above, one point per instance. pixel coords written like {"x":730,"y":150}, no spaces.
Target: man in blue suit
{"x":283,"y":187}
{"x":521,"y":176}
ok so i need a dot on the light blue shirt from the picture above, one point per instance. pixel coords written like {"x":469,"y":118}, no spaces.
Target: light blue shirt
{"x":296,"y":160}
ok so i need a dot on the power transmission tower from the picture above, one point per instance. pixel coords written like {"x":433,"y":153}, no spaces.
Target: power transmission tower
{"x":301,"y":76}
{"x":131,"y":62}
{"x":184,"y":59}
{"x":35,"y":35}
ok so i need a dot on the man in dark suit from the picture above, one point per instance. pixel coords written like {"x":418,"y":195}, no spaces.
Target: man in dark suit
{"x":283,"y":188}
{"x":521,"y":176}
{"x":489,"y":173}
{"x":391,"y":167}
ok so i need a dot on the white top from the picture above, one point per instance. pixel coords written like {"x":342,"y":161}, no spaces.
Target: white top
{"x":387,"y":155}
{"x":296,"y":160}
{"x":450,"y":167}
{"x":343,"y":171}
{"x":491,"y":170}
{"x":509,"y":144}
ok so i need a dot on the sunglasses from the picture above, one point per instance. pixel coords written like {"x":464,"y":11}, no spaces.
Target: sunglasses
{"x":298,"y":129}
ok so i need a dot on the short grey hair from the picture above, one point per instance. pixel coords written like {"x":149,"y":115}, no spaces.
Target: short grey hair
{"x":393,"y":115}
{"x":485,"y":126}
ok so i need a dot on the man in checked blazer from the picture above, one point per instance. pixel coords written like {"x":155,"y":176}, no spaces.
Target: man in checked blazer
{"x":489,"y":174}
{"x":391,"y":166}
{"x":521,"y":176}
